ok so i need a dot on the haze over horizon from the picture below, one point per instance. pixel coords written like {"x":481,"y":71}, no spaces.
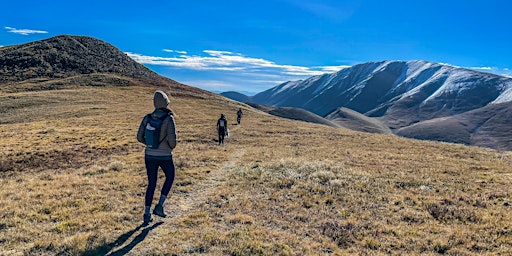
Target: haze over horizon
{"x":254,"y":45}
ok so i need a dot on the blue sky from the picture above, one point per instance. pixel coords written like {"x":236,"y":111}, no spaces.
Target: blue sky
{"x":250,"y":46}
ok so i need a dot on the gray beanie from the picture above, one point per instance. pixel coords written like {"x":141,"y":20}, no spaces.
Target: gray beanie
{"x":160,"y":99}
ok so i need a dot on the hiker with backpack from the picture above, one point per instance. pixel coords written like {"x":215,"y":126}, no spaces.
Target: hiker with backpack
{"x":222,"y":128}
{"x":239,"y":114}
{"x":157,"y":131}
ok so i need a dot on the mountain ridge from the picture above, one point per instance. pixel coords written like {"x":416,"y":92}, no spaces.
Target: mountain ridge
{"x":371,"y":88}
{"x":397,"y":93}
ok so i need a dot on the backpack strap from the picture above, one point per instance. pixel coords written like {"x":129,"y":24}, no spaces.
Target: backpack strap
{"x":162,"y":119}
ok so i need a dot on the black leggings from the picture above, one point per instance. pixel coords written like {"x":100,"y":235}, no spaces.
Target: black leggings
{"x":152,"y":171}
{"x":222,"y":134}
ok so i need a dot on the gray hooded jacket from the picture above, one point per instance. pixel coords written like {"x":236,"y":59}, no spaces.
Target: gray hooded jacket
{"x":168,"y":135}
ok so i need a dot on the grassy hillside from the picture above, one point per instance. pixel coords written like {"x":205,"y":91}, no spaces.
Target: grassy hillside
{"x":294,"y":114}
{"x":485,"y":127}
{"x":73,"y":181}
{"x":356,"y":121}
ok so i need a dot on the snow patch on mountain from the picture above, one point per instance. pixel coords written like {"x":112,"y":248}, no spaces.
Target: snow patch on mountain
{"x":506,"y":96}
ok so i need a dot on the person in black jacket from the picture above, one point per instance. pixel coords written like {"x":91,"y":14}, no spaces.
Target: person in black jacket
{"x":239,"y":115}
{"x":222,"y":128}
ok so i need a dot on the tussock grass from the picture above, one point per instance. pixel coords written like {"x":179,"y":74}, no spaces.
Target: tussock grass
{"x":73,"y":181}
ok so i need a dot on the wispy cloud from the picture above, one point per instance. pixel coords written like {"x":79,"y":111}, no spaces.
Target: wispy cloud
{"x":230,"y":61}
{"x":481,"y":68}
{"x":487,"y":69}
{"x":25,"y":32}
{"x":210,"y":84}
{"x":174,"y":51}
{"x":333,"y":69}
{"x":495,"y":70}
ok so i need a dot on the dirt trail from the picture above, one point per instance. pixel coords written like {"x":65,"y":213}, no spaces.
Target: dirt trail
{"x":187,"y":203}
{"x":178,"y":206}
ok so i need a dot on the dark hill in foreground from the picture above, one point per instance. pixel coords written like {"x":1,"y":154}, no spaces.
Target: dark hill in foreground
{"x":65,"y":56}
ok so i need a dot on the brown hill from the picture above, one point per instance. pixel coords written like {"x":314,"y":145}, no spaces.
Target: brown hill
{"x":70,"y":61}
{"x":294,"y":114}
{"x":488,"y":126}
{"x":356,"y":121}
{"x":65,"y":56}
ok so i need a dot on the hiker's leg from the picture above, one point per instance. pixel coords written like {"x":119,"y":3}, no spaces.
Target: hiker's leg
{"x":169,"y":170}
{"x":221,"y":136}
{"x":152,"y":171}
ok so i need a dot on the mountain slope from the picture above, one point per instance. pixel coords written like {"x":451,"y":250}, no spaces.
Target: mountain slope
{"x":356,"y":121}
{"x":399,"y":92}
{"x":294,"y":114}
{"x":65,"y":56}
{"x":236,"y":96}
{"x":488,"y":126}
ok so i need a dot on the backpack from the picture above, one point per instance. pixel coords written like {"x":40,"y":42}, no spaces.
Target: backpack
{"x":152,"y":131}
{"x":222,"y":123}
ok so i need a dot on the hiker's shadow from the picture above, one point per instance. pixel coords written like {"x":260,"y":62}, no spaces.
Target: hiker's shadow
{"x":107,"y":249}
{"x":136,"y":240}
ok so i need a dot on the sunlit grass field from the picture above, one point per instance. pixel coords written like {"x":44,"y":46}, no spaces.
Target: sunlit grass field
{"x":72,"y":182}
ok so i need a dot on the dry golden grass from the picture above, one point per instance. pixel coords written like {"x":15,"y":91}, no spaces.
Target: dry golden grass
{"x":73,"y":182}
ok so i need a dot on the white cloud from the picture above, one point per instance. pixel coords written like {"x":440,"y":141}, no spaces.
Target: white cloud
{"x":487,"y":69}
{"x":25,"y":32}
{"x":494,"y":70}
{"x":218,"y":53}
{"x":481,"y":68}
{"x":228,"y":71}
{"x":230,"y":61}
{"x":210,"y":84}
{"x":332,"y":69}
{"x":172,"y":51}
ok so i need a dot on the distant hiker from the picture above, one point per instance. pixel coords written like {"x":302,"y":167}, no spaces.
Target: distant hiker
{"x":239,"y":114}
{"x":158,"y":132}
{"x":222,"y":128}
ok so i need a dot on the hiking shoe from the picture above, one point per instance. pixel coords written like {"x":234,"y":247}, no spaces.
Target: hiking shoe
{"x":147,"y":219}
{"x":159,"y":210}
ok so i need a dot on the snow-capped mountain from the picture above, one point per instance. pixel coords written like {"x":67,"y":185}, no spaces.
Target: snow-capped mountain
{"x":417,"y":99}
{"x":400,"y":93}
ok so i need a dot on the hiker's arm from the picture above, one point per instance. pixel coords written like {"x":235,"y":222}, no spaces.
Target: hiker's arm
{"x":140,"y":132}
{"x":172,"y":137}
